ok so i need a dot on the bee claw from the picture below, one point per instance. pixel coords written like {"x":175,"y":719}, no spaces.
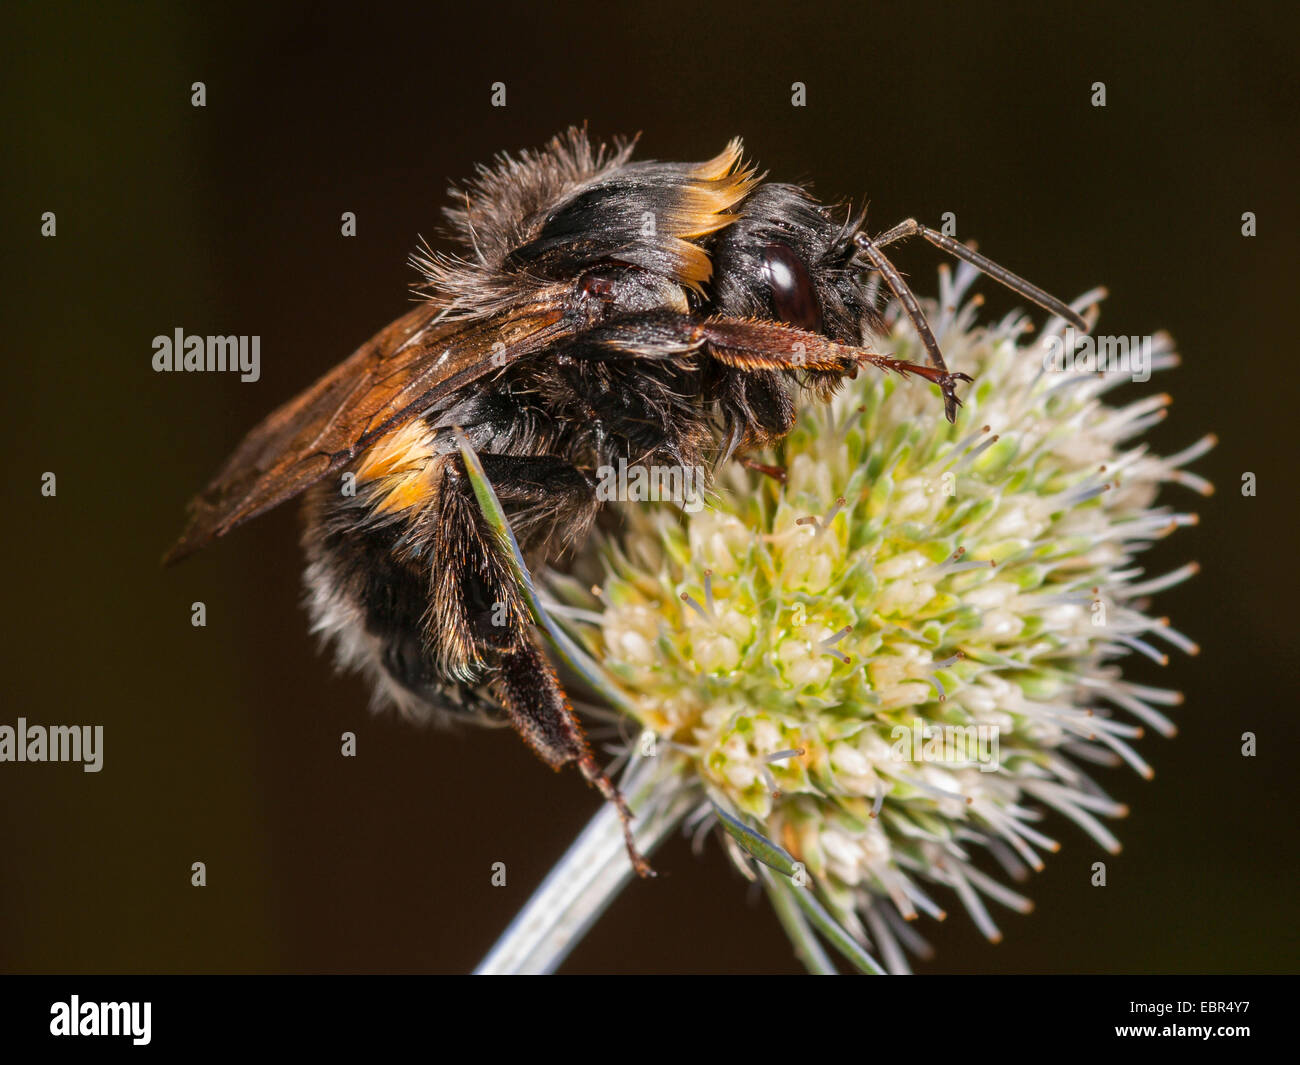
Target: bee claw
{"x":597,"y":778}
{"x":947,"y":384}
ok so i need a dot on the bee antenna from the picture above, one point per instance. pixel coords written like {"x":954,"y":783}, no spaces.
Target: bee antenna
{"x":911,"y":228}
{"x":894,"y":279}
{"x":904,"y":294}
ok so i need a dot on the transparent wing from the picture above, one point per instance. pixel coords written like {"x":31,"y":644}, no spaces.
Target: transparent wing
{"x":387,"y":381}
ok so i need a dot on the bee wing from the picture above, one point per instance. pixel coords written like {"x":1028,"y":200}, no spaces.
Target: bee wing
{"x":387,"y":381}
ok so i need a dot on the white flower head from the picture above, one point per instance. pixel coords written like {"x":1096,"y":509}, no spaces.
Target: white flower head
{"x":906,"y":653}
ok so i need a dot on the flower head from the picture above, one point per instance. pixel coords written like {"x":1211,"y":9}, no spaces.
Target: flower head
{"x":902,"y":655}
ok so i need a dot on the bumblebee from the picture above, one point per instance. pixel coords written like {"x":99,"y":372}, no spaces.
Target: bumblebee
{"x":599,"y":310}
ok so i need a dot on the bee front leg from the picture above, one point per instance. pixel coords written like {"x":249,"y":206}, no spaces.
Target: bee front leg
{"x":753,"y":345}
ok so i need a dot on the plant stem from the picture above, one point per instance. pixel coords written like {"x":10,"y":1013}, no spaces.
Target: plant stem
{"x":587,"y":879}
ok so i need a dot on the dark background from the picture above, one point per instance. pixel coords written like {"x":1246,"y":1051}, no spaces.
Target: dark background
{"x":222,"y":743}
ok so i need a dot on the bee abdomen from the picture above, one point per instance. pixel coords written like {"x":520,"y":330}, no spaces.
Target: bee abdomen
{"x":369,"y":599}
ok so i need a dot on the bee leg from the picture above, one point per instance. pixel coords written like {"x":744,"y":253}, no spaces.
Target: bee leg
{"x":544,"y":496}
{"x":777,"y":473}
{"x":477,"y":607}
{"x":750,"y":345}
{"x":548,"y":501}
{"x":540,"y":712}
{"x":757,"y":412}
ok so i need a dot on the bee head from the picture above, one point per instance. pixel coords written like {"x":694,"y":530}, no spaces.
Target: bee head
{"x":788,"y":258}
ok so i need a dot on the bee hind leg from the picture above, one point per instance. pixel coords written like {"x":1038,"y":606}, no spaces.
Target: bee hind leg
{"x":528,"y":688}
{"x":546,"y":499}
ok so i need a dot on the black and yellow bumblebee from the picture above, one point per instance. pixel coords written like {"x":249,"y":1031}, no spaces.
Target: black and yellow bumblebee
{"x":598,"y":309}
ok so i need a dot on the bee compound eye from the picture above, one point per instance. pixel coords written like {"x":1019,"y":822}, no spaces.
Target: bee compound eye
{"x":793,"y":296}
